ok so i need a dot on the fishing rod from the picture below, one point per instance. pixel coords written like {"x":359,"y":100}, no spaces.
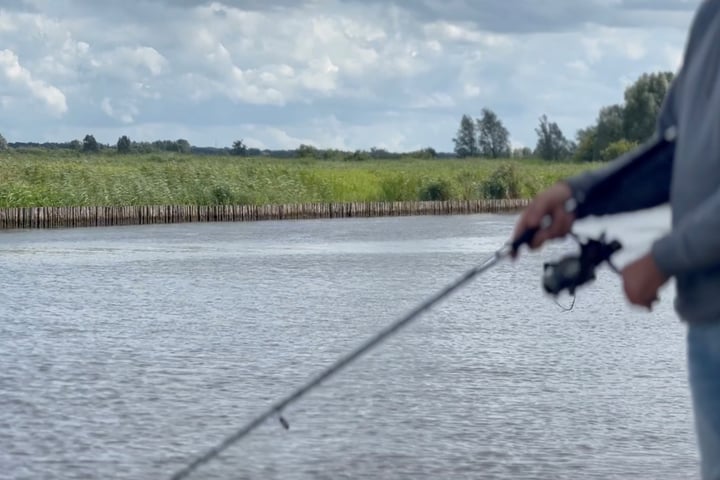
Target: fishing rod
{"x":566,"y":274}
{"x":652,"y":160}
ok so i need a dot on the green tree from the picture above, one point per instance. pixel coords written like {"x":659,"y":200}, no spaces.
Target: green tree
{"x":523,"y":152}
{"x":144,"y":147}
{"x":608,"y":129}
{"x":552,"y":144}
{"x":610,"y":126}
{"x":466,"y":139}
{"x":643,"y":101}
{"x":306,"y":151}
{"x":183,"y":146}
{"x":90,"y":145}
{"x":376,"y":152}
{"x":632,"y":122}
{"x":358,"y":156}
{"x":587,"y":145}
{"x":123,"y":144}
{"x":428,"y":152}
{"x":239,"y":148}
{"x":3,"y":143}
{"x":493,"y":137}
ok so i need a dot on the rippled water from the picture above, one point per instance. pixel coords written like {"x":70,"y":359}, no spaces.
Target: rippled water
{"x":127,"y":351}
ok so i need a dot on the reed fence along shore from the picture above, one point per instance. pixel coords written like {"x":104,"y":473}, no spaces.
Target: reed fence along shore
{"x":71,"y":217}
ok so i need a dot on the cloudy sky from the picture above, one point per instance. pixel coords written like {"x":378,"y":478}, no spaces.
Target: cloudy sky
{"x":349,"y":74}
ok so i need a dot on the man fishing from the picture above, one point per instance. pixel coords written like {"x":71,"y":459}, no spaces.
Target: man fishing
{"x":680,"y":166}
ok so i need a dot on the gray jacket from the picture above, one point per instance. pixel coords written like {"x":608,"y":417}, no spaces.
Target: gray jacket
{"x":686,"y":175}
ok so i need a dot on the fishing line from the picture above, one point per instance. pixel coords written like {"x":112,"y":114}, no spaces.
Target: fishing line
{"x":277,"y":409}
{"x":566,"y":274}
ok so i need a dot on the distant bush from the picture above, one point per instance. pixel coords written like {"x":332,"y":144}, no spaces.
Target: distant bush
{"x":502,"y":183}
{"x":438,"y":190}
{"x":222,"y":195}
{"x":306,"y":151}
{"x":618,"y":148}
{"x":358,"y":156}
{"x":398,"y":188}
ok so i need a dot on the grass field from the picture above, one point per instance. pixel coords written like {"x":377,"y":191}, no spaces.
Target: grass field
{"x":69,"y":179}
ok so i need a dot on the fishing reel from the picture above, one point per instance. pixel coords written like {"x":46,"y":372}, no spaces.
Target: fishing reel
{"x":572,"y":271}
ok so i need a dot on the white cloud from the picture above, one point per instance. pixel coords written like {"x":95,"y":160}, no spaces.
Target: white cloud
{"x":284,"y":140}
{"x":322,"y":75}
{"x":604,"y":42}
{"x":124,"y":112}
{"x":472,"y":90}
{"x":6,"y":23}
{"x":635,"y":51}
{"x":579,"y":66}
{"x":465,"y":32}
{"x":673,"y":56}
{"x":433,"y":100}
{"x":21,"y":77}
{"x":129,"y":62}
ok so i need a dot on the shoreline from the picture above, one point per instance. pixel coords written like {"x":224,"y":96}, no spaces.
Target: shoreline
{"x":23,"y":218}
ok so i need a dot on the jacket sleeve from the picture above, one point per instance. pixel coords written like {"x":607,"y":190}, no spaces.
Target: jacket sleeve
{"x":635,"y":181}
{"x":694,"y":243}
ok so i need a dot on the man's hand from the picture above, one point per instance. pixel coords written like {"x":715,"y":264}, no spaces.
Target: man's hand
{"x":641,"y":280}
{"x":550,"y":203}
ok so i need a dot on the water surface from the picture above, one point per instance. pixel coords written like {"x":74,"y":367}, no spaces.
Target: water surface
{"x":127,"y":351}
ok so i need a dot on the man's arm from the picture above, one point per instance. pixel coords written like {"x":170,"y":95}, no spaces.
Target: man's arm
{"x":635,"y":181}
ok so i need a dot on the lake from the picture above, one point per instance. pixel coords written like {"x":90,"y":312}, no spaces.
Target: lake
{"x":128,"y":351}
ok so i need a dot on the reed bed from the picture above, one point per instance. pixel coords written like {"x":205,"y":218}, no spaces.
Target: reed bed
{"x":62,"y":180}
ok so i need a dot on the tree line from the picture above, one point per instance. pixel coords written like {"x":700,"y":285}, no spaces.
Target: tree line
{"x":90,"y":145}
{"x":125,"y":146}
{"x":617,"y":129}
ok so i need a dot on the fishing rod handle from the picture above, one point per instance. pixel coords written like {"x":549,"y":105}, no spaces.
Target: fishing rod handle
{"x":529,"y":233}
{"x":526,"y":237}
